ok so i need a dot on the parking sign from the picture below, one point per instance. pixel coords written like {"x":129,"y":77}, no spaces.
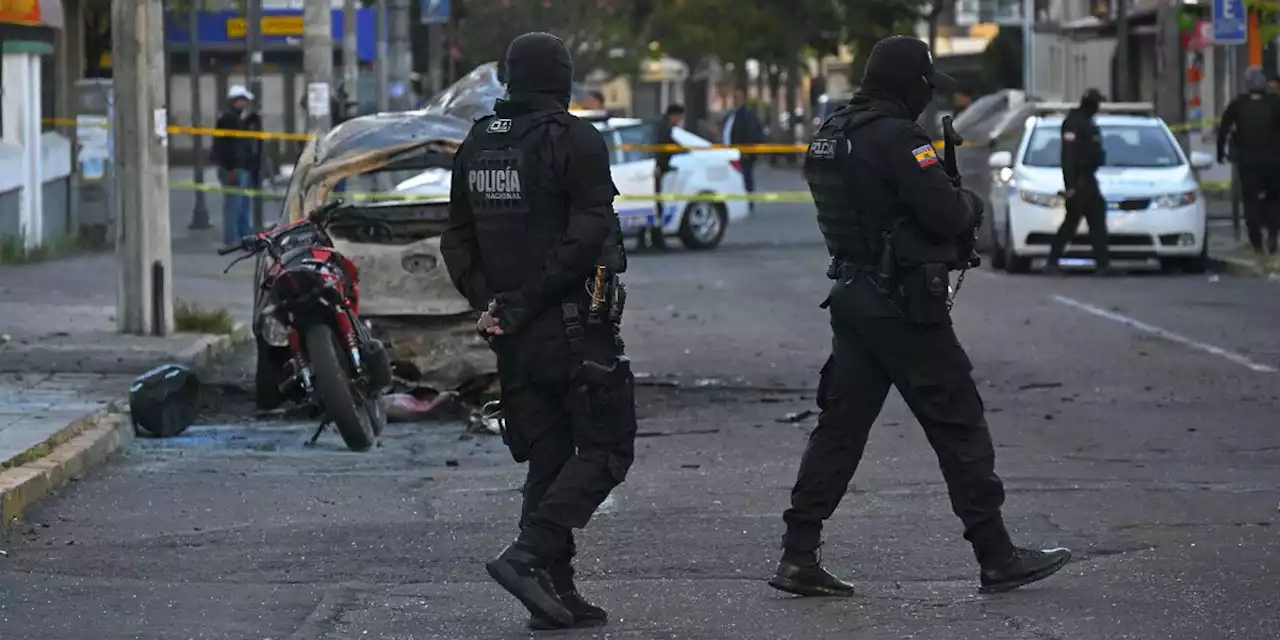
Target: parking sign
{"x":1230,"y":22}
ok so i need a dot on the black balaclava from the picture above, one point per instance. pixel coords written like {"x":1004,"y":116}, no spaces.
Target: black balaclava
{"x":1090,"y":102}
{"x":539,"y":64}
{"x":897,"y":66}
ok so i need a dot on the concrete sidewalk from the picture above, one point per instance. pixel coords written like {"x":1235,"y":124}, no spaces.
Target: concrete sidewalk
{"x":65,"y":371}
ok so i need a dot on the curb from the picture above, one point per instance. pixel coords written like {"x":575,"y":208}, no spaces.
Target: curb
{"x":89,"y":441}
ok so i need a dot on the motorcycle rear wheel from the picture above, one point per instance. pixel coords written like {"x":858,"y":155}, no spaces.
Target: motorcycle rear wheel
{"x":335,"y":391}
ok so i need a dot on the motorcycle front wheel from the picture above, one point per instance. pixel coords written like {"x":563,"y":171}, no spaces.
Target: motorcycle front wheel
{"x":335,"y":391}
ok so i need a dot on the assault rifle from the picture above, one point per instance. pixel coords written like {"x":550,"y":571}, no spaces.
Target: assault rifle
{"x":968,"y":254}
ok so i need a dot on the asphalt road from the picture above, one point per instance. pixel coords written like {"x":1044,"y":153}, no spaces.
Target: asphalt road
{"x":1137,"y":422}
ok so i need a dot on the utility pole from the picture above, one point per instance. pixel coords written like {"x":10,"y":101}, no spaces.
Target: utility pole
{"x":253,"y":78}
{"x":382,"y":66}
{"x":1170,"y":103}
{"x":435,"y":57}
{"x":317,"y":62}
{"x":1124,"y":81}
{"x":144,"y":299}
{"x":401,"y":53}
{"x":200,"y":214}
{"x":350,"y":63}
{"x":1028,"y":46}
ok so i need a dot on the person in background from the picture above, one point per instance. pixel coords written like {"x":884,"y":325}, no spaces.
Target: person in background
{"x":238,"y":161}
{"x":674,"y":115}
{"x":961,"y":98}
{"x":1081,"y":157}
{"x":742,"y":127}
{"x":1251,"y":124}
{"x":1273,"y":84}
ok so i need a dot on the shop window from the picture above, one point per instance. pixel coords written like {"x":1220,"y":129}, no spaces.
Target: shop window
{"x":49,"y":93}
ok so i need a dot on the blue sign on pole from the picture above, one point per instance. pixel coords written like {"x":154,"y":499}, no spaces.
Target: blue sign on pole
{"x":436,"y":11}
{"x":1230,"y":22}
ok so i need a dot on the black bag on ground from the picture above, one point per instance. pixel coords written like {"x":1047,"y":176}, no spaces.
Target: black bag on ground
{"x":163,"y":400}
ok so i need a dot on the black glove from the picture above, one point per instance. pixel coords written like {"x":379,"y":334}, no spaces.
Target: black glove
{"x":512,"y":312}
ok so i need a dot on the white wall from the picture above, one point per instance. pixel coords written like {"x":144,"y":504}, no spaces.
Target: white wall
{"x":1065,"y":68}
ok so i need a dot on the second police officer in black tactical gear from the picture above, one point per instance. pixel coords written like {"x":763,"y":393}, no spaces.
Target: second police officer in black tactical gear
{"x":1082,"y":155}
{"x":1251,"y":124}
{"x":534,"y":244}
{"x":894,"y":222}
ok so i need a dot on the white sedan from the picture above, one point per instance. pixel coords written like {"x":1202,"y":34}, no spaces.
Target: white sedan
{"x":1155,"y":209}
{"x":706,"y":173}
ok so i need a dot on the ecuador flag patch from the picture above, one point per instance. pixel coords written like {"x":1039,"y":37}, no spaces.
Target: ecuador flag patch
{"x":925,"y":155}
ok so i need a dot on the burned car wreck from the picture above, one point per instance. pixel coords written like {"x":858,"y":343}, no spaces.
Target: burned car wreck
{"x":405,"y":292}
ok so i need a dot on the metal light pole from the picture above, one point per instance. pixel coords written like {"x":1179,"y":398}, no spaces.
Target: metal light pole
{"x":253,"y":78}
{"x":200,"y":214}
{"x":381,"y":65}
{"x":1028,"y":46}
{"x":350,"y":64}
{"x":401,"y":53}
{"x":1124,"y":82}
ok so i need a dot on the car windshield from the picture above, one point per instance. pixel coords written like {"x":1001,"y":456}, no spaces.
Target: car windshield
{"x":1125,"y":145}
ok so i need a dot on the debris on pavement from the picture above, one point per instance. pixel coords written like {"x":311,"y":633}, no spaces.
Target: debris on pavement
{"x":407,"y":407}
{"x":488,"y":419}
{"x":797,"y":416}
{"x":1039,"y":385}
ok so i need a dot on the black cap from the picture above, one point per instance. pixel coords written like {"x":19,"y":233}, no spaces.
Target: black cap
{"x":905,"y":56}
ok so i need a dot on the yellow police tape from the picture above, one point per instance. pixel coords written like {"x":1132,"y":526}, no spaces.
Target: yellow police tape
{"x":769,"y":197}
{"x":303,"y":137}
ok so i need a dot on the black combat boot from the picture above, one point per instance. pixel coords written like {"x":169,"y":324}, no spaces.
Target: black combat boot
{"x":523,"y":574}
{"x":584,"y":613}
{"x":801,"y":573}
{"x":1023,"y":567}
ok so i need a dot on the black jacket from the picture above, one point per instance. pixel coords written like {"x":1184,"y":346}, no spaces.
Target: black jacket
{"x":1251,"y":123}
{"x":662,"y":136}
{"x":569,"y":217}
{"x":1082,"y":151}
{"x":238,"y":153}
{"x":873,"y":170}
{"x":746,"y":129}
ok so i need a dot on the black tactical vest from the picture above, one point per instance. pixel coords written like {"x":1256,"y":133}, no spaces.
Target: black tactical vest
{"x":519,"y":206}
{"x":849,"y":235}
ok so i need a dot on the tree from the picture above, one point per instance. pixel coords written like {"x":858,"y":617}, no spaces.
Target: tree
{"x":599,"y":33}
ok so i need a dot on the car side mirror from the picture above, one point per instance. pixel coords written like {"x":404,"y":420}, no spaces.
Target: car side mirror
{"x":1000,"y":160}
{"x":1201,"y":160}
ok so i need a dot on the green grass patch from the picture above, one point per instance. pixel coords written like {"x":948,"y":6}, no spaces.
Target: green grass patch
{"x":192,"y":318}
{"x":13,"y":251}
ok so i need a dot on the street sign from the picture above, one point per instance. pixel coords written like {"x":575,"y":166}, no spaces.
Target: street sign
{"x":436,"y":11}
{"x":1230,"y":22}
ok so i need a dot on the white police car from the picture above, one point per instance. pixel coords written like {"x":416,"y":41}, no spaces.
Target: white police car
{"x":1155,"y":209}
{"x":710,"y":173}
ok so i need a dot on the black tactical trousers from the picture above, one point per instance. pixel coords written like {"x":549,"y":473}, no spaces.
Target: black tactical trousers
{"x":1087,"y":203}
{"x":1261,"y":199}
{"x":932,"y":372}
{"x":579,"y":440}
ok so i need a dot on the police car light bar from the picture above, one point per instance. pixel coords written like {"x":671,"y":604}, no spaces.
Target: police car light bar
{"x":1133,"y":108}
{"x":591,"y":115}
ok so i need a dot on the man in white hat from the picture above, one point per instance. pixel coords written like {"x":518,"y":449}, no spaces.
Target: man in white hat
{"x":239,"y":160}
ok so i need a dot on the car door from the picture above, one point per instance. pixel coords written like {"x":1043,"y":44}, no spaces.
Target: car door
{"x":633,"y":175}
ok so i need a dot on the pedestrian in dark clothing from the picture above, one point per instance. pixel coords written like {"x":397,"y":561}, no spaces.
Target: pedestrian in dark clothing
{"x":674,"y":115}
{"x":239,"y":161}
{"x":1251,"y":124}
{"x":531,"y":221}
{"x":894,"y":221}
{"x":1082,"y":155}
{"x":742,"y":127}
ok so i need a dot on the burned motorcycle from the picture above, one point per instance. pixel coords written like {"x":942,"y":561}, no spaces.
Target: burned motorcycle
{"x":312,"y":292}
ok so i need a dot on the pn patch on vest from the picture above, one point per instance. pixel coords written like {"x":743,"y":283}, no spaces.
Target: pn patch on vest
{"x":501,"y":125}
{"x":925,"y":155}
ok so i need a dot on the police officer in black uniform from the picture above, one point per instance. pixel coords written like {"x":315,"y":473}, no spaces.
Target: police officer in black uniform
{"x":1082,"y":154}
{"x":894,"y":223}
{"x":1251,"y":123}
{"x":534,"y":244}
